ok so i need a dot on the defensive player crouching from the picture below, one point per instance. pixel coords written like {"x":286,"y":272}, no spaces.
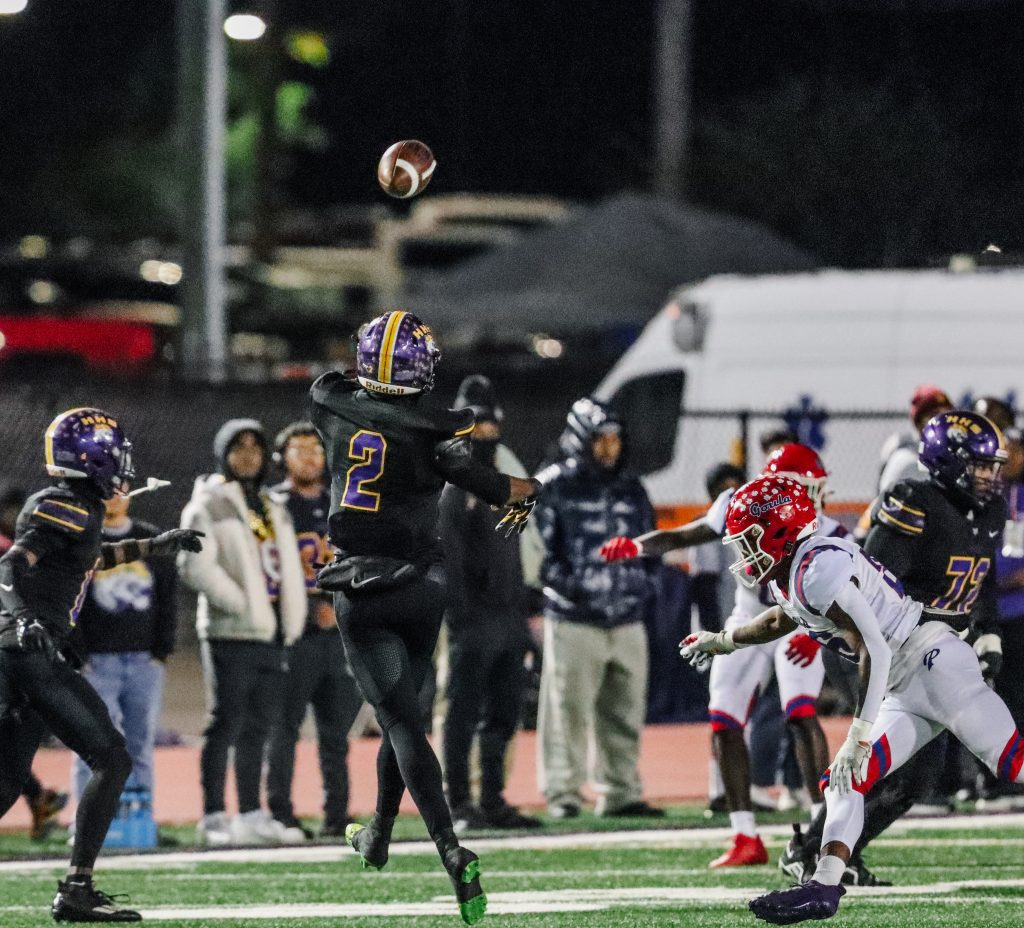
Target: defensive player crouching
{"x":915,"y":680}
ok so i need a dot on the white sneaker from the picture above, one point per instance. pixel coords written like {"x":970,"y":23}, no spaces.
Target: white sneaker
{"x":290,"y":834}
{"x":256,"y":827}
{"x":214,"y":830}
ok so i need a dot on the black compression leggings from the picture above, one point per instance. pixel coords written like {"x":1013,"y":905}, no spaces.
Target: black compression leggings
{"x":37,"y":693}
{"x":390,"y":638}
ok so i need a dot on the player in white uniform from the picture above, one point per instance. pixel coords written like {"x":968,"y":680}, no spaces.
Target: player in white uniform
{"x":916,"y":679}
{"x":737,"y":679}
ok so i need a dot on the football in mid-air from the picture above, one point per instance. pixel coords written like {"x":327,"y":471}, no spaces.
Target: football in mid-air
{"x":405,"y":169}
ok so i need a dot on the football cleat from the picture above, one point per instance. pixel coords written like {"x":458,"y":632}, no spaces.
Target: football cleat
{"x":369,"y":843}
{"x":82,"y":902}
{"x":799,"y":856}
{"x":811,"y":900}
{"x":745,"y":852}
{"x":857,"y":874}
{"x":45,"y":808}
{"x":463,"y":867}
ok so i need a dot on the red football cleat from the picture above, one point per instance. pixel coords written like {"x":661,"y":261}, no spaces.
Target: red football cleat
{"x":745,"y":852}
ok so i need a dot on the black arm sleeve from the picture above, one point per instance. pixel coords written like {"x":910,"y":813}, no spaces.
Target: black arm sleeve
{"x":13,"y":567}
{"x":455,"y":462}
{"x":985,"y":614}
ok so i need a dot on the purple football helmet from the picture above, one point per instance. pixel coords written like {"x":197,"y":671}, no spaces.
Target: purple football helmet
{"x":396,"y":355}
{"x":954,"y":444}
{"x":88,"y":443}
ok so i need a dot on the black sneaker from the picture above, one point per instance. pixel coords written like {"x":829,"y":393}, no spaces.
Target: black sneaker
{"x":638,"y":809}
{"x":506,"y":816}
{"x":370,"y":842}
{"x":467,"y":817}
{"x":82,"y":902}
{"x":463,"y":868}
{"x":857,"y":874}
{"x":799,"y":857}
{"x":332,"y":830}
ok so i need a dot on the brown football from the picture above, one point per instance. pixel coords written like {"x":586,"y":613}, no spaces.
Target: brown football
{"x":405,"y":169}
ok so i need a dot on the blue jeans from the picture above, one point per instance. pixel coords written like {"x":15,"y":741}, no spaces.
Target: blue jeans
{"x":131,"y":684}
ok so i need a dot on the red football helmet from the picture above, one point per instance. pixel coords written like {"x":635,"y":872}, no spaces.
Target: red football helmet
{"x":803,"y":465}
{"x":766,"y":519}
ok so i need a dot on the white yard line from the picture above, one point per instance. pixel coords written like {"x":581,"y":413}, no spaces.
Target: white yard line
{"x":663,"y":838}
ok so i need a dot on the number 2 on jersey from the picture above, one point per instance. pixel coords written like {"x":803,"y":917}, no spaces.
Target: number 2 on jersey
{"x":367,"y":449}
{"x":967,"y":574}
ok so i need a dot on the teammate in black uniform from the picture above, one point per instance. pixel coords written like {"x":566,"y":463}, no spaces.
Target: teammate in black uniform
{"x":389,"y":455}
{"x":939,"y":538}
{"x":43,"y":581}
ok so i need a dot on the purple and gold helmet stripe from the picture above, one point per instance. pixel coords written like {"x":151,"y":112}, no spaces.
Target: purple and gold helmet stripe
{"x":387,"y":345}
{"x":48,"y":442}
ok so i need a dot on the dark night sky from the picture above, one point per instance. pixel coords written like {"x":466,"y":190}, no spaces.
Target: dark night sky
{"x":868,"y":131}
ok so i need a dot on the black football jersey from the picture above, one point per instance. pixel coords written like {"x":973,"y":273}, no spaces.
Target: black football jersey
{"x":64,"y":530}
{"x":389,"y":459}
{"x":309,"y":515}
{"x":941,"y":550}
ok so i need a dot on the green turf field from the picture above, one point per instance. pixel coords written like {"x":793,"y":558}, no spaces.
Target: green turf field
{"x":967,"y":876}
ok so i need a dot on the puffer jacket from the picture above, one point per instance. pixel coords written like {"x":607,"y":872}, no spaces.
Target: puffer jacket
{"x":576,"y":514}
{"x":228,"y":573}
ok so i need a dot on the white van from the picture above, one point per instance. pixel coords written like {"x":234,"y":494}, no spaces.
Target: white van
{"x":835,"y":354}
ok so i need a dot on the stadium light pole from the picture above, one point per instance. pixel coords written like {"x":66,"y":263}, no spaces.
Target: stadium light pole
{"x":202,"y":106}
{"x":673,"y":26}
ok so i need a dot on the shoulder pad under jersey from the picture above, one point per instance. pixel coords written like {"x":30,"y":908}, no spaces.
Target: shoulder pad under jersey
{"x":903,"y":508}
{"x":59,"y":510}
{"x":820,"y":572}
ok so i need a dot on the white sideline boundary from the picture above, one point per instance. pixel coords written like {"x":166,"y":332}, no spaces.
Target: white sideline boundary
{"x":666,"y":838}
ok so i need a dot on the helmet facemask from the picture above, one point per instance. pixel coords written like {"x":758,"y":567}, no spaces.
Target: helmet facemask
{"x":752,"y":565}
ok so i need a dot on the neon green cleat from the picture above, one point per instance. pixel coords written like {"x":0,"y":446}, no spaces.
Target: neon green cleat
{"x":361,"y":839}
{"x":464,"y":870}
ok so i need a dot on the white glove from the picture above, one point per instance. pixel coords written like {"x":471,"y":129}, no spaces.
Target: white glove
{"x":700,"y":648}
{"x":848,"y":766}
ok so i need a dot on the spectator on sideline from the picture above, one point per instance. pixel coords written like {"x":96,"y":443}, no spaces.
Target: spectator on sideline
{"x":125,"y":633}
{"x":486,"y":615}
{"x":318,"y":671}
{"x":595,"y":663}
{"x":252,"y":605}
{"x":899,"y":453}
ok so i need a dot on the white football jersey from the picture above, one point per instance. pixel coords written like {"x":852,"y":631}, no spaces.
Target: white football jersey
{"x":750,"y":603}
{"x":821,"y":568}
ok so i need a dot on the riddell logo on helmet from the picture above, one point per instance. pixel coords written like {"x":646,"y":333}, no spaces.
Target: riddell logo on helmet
{"x":759,"y":509}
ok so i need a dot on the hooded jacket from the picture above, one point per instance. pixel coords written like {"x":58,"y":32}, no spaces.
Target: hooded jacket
{"x":577,"y":512}
{"x":228,"y":574}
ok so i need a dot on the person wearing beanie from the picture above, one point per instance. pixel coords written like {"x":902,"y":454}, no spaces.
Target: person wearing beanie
{"x":486,"y":618}
{"x":595,"y":666}
{"x":252,"y":606}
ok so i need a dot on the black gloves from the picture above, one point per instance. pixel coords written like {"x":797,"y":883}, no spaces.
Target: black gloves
{"x":177,"y":539}
{"x":33,"y":636}
{"x":516,"y":516}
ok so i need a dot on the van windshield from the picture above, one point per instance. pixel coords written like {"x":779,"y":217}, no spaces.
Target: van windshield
{"x":649,"y":407}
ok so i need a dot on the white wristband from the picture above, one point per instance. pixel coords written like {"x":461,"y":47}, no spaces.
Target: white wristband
{"x":639,"y":547}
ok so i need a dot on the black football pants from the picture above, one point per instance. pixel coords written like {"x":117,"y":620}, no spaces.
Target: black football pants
{"x":485,"y":688}
{"x":36,"y":694}
{"x":318,"y":675}
{"x":389,"y":639}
